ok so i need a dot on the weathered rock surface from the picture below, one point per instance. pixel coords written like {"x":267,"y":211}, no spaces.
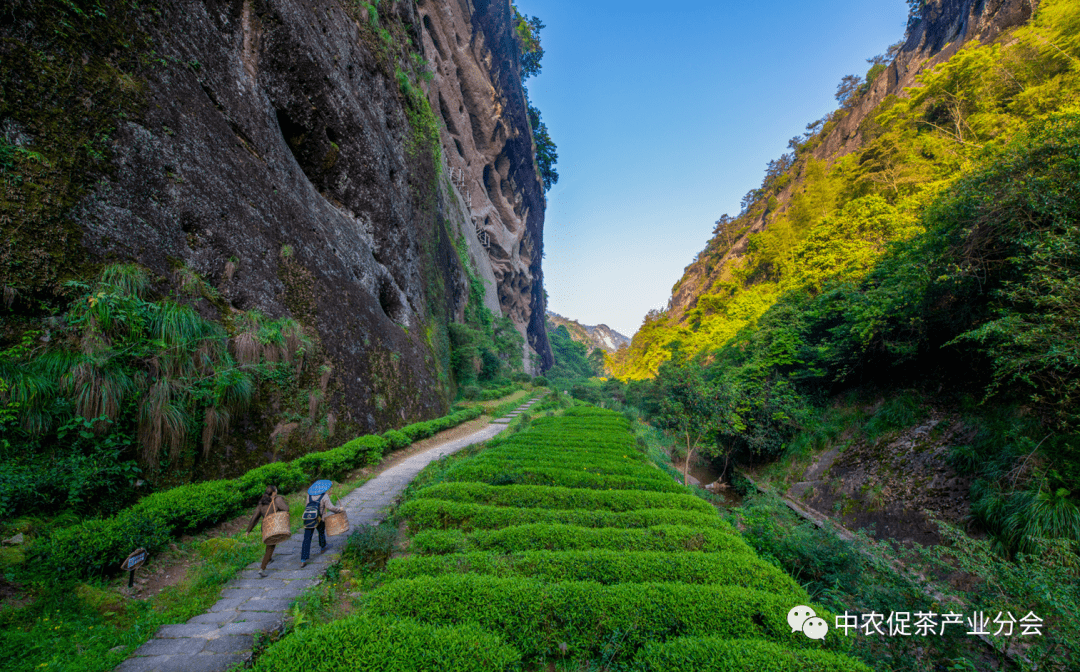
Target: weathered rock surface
{"x":278,"y":157}
{"x":489,"y":154}
{"x":890,"y":485}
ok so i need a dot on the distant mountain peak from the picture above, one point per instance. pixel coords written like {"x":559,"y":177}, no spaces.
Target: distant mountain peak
{"x":598,"y":336}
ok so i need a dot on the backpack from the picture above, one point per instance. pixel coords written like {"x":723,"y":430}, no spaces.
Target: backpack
{"x":312,"y":512}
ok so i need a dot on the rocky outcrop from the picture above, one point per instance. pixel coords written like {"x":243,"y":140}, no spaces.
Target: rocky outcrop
{"x":601,"y":336}
{"x":944,"y":28}
{"x":477,"y":93}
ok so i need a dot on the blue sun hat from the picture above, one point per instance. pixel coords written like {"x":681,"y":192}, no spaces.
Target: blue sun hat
{"x":319,"y":487}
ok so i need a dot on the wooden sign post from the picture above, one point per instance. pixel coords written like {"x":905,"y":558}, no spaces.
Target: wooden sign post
{"x":133,"y":562}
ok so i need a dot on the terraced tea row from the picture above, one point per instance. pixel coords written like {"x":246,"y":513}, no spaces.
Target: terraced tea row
{"x":563,"y":544}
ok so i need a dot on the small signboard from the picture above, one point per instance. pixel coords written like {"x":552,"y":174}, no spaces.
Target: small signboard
{"x":135,"y":560}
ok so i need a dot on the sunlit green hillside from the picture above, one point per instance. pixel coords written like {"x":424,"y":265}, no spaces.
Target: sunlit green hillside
{"x":829,"y":222}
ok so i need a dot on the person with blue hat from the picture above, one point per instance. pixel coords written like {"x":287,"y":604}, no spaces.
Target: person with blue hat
{"x":318,"y":503}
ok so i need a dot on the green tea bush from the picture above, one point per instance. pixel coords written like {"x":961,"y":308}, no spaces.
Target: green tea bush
{"x":423,"y":430}
{"x":594,"y":465}
{"x":438,"y":542}
{"x":498,"y":393}
{"x":191,"y":507}
{"x":714,"y":654}
{"x":555,"y":451}
{"x":365,"y":450}
{"x":427,"y":514}
{"x":287,"y":476}
{"x":539,"y":496}
{"x":507,"y":474}
{"x":537,"y":617}
{"x":552,"y":537}
{"x":397,"y":440}
{"x":609,"y":568}
{"x":373,"y":644}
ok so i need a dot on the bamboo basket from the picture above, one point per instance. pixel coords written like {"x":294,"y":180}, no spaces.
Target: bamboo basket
{"x":275,"y":527}
{"x":336,"y":523}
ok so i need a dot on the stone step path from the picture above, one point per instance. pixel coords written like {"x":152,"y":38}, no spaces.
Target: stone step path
{"x":224,"y":636}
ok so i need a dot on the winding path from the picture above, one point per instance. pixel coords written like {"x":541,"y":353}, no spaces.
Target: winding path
{"x":224,"y":635}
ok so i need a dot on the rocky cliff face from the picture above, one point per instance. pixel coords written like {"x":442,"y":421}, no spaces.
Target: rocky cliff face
{"x":498,"y":197}
{"x":280,"y":150}
{"x":943,"y":28}
{"x":601,"y":336}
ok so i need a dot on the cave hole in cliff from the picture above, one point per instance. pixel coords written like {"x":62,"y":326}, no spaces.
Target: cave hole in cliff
{"x":491,"y":183}
{"x":390,"y":301}
{"x":460,"y":149}
{"x":434,"y":39}
{"x":478,"y":132}
{"x":311,"y":152}
{"x":447,"y":119}
{"x":294,"y":133}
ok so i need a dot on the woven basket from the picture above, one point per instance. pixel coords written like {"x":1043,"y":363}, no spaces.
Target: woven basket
{"x":336,"y":523}
{"x":275,"y":527}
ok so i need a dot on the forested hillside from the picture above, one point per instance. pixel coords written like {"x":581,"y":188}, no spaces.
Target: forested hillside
{"x":940,"y":256}
{"x":821,"y":220}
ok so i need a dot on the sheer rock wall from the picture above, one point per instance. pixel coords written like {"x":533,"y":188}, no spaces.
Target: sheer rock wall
{"x":488,"y":151}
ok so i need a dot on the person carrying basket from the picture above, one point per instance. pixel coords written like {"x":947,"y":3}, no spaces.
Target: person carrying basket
{"x":270,"y":503}
{"x":318,"y":503}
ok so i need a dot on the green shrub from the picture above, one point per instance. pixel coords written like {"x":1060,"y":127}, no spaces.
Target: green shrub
{"x":713,"y":654}
{"x":548,"y":497}
{"x":418,"y":431}
{"x":900,"y":412}
{"x":366,"y":446}
{"x":540,"y":381}
{"x":537,"y":617}
{"x":438,"y":542}
{"x":287,"y":476}
{"x":189,"y":508}
{"x":369,"y":546}
{"x":397,"y":440}
{"x":822,"y":562}
{"x":498,"y":393}
{"x":362,"y":642}
{"x":426,"y":514}
{"x":609,"y":567}
{"x":553,"y":537}
{"x":97,"y":546}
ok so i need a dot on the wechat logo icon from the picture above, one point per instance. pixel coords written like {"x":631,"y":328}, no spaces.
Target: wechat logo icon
{"x":803,"y":619}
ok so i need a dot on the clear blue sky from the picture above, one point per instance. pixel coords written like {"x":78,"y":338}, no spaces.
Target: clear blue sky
{"x":664,"y":116}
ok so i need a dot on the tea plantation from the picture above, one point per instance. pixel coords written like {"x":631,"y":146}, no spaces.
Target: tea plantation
{"x":564,"y":547}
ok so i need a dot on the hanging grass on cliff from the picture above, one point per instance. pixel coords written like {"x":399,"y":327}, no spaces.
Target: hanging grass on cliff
{"x":121,"y":386}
